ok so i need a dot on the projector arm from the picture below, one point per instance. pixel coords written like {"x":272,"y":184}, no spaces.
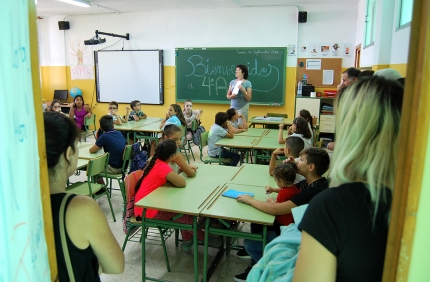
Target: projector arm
{"x":126,"y":36}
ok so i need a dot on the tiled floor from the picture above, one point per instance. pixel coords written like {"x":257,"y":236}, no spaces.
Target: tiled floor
{"x":181,"y":262}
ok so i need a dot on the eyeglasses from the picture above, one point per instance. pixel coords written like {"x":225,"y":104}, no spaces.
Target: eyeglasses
{"x":112,"y":108}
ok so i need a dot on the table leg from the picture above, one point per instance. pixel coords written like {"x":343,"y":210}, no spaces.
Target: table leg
{"x":143,"y":246}
{"x":196,"y":262}
{"x":205,"y":253}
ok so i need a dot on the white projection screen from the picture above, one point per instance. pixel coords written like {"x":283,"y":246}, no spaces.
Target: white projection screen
{"x":128,"y":75}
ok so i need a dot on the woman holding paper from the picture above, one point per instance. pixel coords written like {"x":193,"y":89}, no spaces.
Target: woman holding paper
{"x":240,"y":91}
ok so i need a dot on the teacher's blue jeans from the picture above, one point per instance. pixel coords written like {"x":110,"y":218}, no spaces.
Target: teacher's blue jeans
{"x":255,"y":248}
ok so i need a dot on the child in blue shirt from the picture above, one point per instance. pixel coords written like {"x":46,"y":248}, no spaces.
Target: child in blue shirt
{"x":136,"y":113}
{"x":112,"y":142}
{"x":219,"y":130}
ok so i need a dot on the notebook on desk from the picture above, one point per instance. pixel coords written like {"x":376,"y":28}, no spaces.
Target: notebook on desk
{"x":268,"y":118}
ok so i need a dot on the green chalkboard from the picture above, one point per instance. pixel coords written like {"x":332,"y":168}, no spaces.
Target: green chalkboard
{"x":204,"y":74}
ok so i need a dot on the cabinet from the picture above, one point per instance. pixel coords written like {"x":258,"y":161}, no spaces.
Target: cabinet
{"x":322,"y":108}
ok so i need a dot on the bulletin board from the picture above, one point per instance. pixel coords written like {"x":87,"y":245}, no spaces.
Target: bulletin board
{"x":315,"y":77}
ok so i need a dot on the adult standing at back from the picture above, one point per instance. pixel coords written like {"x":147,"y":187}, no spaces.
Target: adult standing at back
{"x":240,"y":91}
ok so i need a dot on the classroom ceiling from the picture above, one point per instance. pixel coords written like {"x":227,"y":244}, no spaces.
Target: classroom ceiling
{"x":55,"y":8}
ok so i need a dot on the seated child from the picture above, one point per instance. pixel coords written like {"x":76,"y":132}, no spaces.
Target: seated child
{"x":117,"y":118}
{"x":307,"y":116}
{"x":313,"y":163}
{"x":79,"y":111}
{"x":284,"y":175}
{"x":299,"y":128}
{"x":156,"y":174}
{"x":233,"y":118}
{"x":136,"y":113}
{"x":179,"y":164}
{"x":219,"y":130}
{"x":112,"y":142}
{"x":56,"y":107}
{"x":173,"y":116}
{"x":293,"y":146}
{"x":190,"y":115}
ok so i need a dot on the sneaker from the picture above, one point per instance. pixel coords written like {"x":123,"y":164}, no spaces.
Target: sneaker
{"x":187,"y":245}
{"x":243,"y":254}
{"x":244,"y":275}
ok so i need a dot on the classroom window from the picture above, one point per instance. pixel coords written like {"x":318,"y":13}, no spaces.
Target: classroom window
{"x":369,"y":31}
{"x":405,"y":12}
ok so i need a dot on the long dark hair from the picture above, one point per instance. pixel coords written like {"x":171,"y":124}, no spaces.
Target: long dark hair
{"x":302,"y":127}
{"x":60,"y":133}
{"x":165,"y":149}
{"x":179,"y":113}
{"x":307,"y":116}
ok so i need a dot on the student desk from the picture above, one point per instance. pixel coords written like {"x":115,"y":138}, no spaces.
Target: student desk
{"x":84,"y":153}
{"x":286,"y":121}
{"x":153,"y":127}
{"x":240,"y":142}
{"x":259,"y":132}
{"x":189,"y":200}
{"x":253,"y":175}
{"x":84,"y":144}
{"x":131,"y":125}
{"x":225,"y":209}
{"x":81,"y":164}
{"x":270,"y":144}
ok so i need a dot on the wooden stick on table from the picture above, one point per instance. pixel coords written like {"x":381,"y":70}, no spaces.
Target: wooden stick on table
{"x":217,"y":197}
{"x":214,"y":191}
{"x":237,"y":172}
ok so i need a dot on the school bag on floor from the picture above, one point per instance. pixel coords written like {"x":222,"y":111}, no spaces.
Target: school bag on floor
{"x":197,"y":134}
{"x":140,"y":157}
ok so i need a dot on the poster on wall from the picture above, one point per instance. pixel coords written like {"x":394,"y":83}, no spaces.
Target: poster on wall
{"x":303,"y":50}
{"x":314,"y":49}
{"x":335,"y":51}
{"x":346,"y":50}
{"x":291,"y":50}
{"x":325,"y":49}
{"x":81,"y":59}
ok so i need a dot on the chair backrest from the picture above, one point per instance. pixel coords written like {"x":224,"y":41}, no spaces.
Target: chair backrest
{"x":98,"y":165}
{"x":204,"y":139}
{"x":91,"y":121}
{"x":184,"y":135}
{"x":127,"y":156}
{"x":276,"y":115}
{"x":130,"y":183}
{"x":194,"y":125}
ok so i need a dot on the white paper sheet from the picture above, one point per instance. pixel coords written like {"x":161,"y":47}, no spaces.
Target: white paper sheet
{"x":313,"y":64}
{"x":236,"y":87}
{"x":328,"y":77}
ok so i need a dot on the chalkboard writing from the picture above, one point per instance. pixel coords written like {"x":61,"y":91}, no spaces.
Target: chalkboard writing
{"x":204,"y":74}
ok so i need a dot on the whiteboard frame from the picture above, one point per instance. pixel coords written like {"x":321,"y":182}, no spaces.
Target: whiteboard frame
{"x":144,"y":84}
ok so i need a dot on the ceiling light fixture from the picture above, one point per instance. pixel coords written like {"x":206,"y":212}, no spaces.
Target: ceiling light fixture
{"x":80,"y":3}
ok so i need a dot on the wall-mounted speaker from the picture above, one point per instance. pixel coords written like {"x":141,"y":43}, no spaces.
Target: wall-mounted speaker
{"x":303,"y":17}
{"x":62,"y":25}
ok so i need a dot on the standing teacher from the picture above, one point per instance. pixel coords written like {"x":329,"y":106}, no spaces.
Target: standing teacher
{"x":240,"y":91}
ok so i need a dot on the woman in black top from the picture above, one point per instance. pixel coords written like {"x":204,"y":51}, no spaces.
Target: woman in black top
{"x":345,"y":228}
{"x":92,"y":247}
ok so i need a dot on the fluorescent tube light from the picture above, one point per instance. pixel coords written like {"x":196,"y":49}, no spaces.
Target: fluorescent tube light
{"x":80,"y":3}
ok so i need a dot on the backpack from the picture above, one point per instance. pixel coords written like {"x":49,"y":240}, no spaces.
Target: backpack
{"x":140,"y":157}
{"x":197,"y":134}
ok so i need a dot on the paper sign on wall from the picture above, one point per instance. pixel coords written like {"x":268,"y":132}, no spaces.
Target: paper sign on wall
{"x":328,"y":77}
{"x":313,"y":64}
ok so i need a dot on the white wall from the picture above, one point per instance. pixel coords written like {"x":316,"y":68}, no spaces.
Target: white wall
{"x":238,"y":27}
{"x":330,"y":23}
{"x":391,"y":45}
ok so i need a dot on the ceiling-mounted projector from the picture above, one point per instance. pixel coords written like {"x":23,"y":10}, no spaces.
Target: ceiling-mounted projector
{"x":97,"y":40}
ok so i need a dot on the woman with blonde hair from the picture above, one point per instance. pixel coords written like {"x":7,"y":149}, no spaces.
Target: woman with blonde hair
{"x":345,"y":228}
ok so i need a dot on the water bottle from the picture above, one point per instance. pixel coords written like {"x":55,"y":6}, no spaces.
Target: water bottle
{"x":299,"y":89}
